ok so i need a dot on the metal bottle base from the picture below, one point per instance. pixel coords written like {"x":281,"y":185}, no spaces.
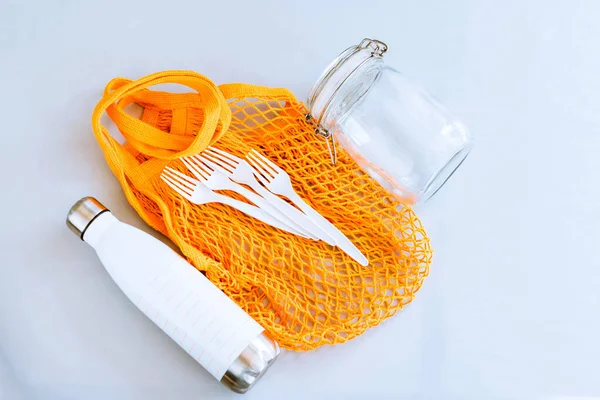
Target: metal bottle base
{"x":251,"y":364}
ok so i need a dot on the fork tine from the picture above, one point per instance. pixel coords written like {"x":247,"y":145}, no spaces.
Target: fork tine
{"x":264,"y":166}
{"x":217,"y":163}
{"x":259,"y":172}
{"x":270,"y":163}
{"x":206,"y":161}
{"x":173,"y":185}
{"x":221,"y":160}
{"x":179,"y":177}
{"x":197,"y":160}
{"x":224,"y":153}
{"x":194,"y":168}
{"x":262,"y":179}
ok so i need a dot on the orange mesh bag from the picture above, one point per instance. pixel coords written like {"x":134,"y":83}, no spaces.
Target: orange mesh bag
{"x":304,"y":293}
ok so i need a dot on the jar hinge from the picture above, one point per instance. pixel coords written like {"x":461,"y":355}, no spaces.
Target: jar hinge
{"x":325,"y":134}
{"x":378,"y":48}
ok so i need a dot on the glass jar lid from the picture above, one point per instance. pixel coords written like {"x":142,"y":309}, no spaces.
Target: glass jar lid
{"x":345,"y":81}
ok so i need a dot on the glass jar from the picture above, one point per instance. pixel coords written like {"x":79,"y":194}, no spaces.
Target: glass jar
{"x":398,"y":133}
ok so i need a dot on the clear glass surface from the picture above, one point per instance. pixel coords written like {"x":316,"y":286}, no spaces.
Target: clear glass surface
{"x":399,"y":134}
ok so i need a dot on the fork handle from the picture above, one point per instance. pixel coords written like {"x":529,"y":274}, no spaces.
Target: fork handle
{"x":254,"y":212}
{"x":269,"y":208}
{"x":298,"y":217}
{"x":340,"y":239}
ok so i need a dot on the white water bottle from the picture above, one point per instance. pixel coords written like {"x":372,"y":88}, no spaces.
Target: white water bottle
{"x":200,"y":318}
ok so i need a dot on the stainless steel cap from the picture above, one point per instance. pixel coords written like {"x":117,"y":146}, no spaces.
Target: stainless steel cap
{"x":251,"y":364}
{"x":82,"y":214}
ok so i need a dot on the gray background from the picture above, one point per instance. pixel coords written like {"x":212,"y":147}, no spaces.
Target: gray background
{"x":511,"y":309}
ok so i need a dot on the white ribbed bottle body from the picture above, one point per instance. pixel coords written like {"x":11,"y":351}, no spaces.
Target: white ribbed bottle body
{"x":174,"y":295}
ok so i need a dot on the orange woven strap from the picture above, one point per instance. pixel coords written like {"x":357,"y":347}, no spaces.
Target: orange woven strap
{"x":152,"y":141}
{"x":147,"y":139}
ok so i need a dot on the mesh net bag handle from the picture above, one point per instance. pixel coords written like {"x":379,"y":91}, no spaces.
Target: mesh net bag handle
{"x":304,"y":293}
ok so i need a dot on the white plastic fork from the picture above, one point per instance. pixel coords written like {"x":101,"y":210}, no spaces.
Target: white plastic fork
{"x":240,"y":171}
{"x":278,"y":182}
{"x":216,"y":180}
{"x":194,"y":191}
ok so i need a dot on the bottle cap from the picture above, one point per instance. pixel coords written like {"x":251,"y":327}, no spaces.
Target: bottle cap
{"x":82,"y":214}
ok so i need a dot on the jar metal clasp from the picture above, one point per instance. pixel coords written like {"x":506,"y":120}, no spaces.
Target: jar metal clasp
{"x":325,"y":134}
{"x":378,"y":48}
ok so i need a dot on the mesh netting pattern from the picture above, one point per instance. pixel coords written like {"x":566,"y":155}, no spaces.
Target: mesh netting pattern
{"x":304,"y":293}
